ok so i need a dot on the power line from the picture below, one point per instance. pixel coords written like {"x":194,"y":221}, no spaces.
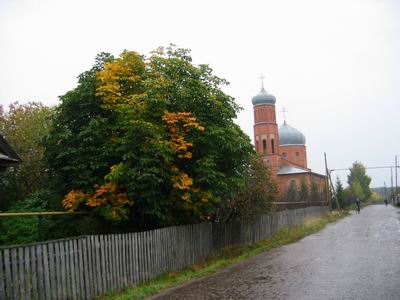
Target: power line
{"x":381,"y":167}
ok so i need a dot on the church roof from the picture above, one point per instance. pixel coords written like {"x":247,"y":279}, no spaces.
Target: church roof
{"x":263,"y":97}
{"x":291,"y":170}
{"x":290,"y":136}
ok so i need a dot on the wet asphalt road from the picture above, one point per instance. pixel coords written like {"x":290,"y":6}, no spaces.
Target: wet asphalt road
{"x":355,"y":258}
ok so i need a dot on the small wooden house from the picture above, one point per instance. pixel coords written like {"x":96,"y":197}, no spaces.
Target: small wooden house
{"x":8,"y":157}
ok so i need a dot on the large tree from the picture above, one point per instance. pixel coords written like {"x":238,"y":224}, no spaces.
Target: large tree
{"x":359,"y":181}
{"x":151,"y":139}
{"x":24,"y":126}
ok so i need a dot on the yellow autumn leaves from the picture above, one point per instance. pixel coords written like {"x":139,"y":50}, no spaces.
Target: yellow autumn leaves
{"x":179,"y":126}
{"x":106,"y":197}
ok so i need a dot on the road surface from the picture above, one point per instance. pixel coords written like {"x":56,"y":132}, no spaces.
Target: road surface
{"x":355,"y":258}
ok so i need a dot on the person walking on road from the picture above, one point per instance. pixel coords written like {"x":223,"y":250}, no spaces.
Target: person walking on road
{"x":386,"y":202}
{"x":358,"y":204}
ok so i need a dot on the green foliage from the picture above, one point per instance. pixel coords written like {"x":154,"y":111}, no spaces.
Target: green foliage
{"x":77,"y":149}
{"x":113,"y":128}
{"x":292,"y":191}
{"x":254,"y":198}
{"x":24,"y":126}
{"x":359,"y":182}
{"x":315,"y":194}
{"x":21,"y":230}
{"x":304,"y":193}
{"x":340,"y":194}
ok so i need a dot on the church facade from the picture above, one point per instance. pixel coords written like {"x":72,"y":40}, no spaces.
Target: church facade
{"x":284,"y":151}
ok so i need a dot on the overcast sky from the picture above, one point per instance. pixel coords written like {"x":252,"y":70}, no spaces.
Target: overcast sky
{"x":334,"y":65}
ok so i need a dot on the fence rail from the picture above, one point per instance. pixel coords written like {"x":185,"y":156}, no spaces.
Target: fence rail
{"x":88,"y":266}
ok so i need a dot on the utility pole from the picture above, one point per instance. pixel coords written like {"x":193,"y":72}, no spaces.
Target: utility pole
{"x":395,"y":172}
{"x":331,"y":193}
{"x":384,"y":184}
{"x":391,"y":185}
{"x":328,"y":198}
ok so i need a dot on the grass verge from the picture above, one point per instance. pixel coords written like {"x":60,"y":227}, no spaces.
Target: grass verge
{"x":227,"y":257}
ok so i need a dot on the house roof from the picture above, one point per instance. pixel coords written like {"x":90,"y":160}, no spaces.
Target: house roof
{"x":8,"y":156}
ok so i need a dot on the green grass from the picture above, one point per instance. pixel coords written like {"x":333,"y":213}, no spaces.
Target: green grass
{"x":227,"y":257}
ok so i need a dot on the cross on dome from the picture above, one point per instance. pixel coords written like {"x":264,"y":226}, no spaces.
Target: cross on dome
{"x":262,"y":80}
{"x":284,"y":111}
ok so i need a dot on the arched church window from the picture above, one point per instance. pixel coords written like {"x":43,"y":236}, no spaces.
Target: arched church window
{"x":257,"y":143}
{"x":272,"y":146}
{"x":284,"y":155}
{"x":264,"y":141}
{"x":297,"y":154}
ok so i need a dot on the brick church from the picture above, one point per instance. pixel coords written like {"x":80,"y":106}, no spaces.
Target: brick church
{"x":283,"y":150}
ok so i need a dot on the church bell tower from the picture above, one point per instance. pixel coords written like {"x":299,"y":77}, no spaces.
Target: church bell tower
{"x":266,"y":138}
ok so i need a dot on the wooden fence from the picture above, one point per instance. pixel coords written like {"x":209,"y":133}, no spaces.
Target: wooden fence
{"x":88,"y":266}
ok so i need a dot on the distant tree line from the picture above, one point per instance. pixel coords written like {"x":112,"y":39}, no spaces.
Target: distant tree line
{"x":304,"y":192}
{"x":358,"y":187}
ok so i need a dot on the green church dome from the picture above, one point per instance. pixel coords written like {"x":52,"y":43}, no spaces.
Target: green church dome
{"x":263,"y":98}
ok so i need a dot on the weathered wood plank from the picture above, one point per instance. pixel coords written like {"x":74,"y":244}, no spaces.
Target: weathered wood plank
{"x":129,"y":258}
{"x":22,"y":273}
{"x":147,"y":253}
{"x":40,"y":272}
{"x":142,"y":258}
{"x":97,"y":256}
{"x":82,"y":269}
{"x":2,"y":278}
{"x":33,"y":257}
{"x":14,"y":266}
{"x":63,"y":271}
{"x":86,"y":293}
{"x":90,"y":264}
{"x":57,"y":260}
{"x":52,"y":271}
{"x":102,"y":276}
{"x":8,"y":274}
{"x":113,"y":260}
{"x":78,"y":269}
{"x":124,"y":263}
{"x":136,"y":257}
{"x":157,"y":248}
{"x":150,"y":253}
{"x":71,"y":274}
{"x":68,"y":279}
{"x":46,"y":271}
{"x":117,"y":253}
{"x":166,"y":256}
